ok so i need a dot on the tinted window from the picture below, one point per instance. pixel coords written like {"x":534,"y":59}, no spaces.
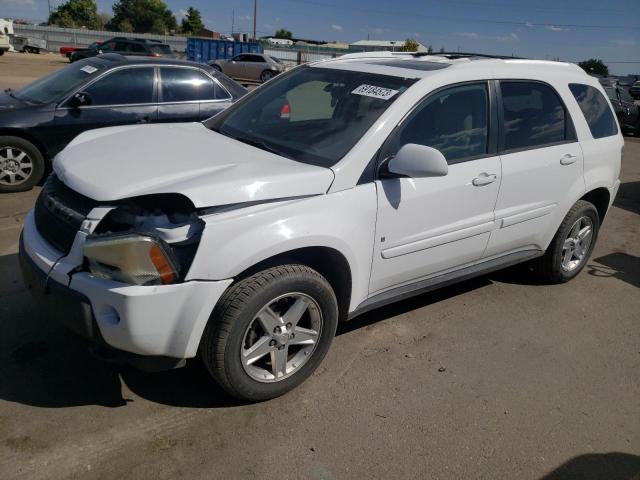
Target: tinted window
{"x":596,"y":110}
{"x":160,"y":49}
{"x":123,"y":87}
{"x":136,"y":48}
{"x":186,"y":84}
{"x":256,"y":58}
{"x":533,"y":115}
{"x":454,"y":121}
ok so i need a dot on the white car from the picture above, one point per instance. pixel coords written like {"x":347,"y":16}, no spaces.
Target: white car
{"x":336,"y":188}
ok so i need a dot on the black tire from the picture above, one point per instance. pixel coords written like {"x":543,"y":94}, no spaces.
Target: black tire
{"x":266,"y":76}
{"x":2,"y":52}
{"x":37,"y":160}
{"x":550,"y":265}
{"x":223,"y":338}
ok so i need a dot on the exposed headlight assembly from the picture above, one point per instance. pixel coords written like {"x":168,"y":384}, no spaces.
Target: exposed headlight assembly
{"x":132,"y":258}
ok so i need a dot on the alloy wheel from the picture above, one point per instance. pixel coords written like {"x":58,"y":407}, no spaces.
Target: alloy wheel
{"x":15,"y":166}
{"x":281,"y":338}
{"x":576,"y":245}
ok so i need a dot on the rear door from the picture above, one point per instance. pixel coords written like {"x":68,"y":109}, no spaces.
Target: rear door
{"x":542,"y":166}
{"x":121,"y":97}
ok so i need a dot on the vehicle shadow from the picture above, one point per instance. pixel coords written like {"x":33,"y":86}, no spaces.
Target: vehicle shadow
{"x":628,"y":197}
{"x":618,"y":265}
{"x":598,"y":466}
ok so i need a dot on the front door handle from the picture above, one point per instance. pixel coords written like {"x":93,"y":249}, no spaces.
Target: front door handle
{"x":484,"y":179}
{"x":146,"y":119}
{"x":568,"y":159}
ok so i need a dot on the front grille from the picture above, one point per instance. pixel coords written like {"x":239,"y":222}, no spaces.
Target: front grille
{"x":59,"y":212}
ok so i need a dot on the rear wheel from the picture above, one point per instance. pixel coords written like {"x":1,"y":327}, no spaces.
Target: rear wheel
{"x":270,"y":331}
{"x":266,"y":76}
{"x":572,"y":245}
{"x":21,"y":165}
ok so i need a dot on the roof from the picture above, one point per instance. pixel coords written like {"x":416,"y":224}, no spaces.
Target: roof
{"x":378,"y":43}
{"x":420,"y":65}
{"x":112,"y":59}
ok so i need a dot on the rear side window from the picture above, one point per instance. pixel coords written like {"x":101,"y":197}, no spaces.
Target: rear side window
{"x":596,"y":110}
{"x":187,"y":84}
{"x":533,"y":116}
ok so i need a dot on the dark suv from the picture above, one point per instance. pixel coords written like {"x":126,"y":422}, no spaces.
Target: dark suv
{"x":124,"y":46}
{"x":39,"y":120}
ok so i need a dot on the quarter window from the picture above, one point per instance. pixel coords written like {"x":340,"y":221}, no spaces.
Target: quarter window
{"x":533,"y":116}
{"x":596,"y":110}
{"x":453,"y":121}
{"x":186,"y":84}
{"x":111,"y":90}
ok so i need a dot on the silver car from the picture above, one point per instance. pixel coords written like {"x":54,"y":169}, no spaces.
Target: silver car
{"x":250,"y":66}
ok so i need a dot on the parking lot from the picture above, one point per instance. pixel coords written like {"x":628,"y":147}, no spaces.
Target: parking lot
{"x":498,"y":377}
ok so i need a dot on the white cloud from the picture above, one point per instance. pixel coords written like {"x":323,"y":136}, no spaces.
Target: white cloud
{"x":529,"y":24}
{"x":624,"y":43}
{"x":337,"y":27}
{"x":469,"y":34}
{"x":553,"y":28}
{"x":268,"y":26}
{"x":512,"y":37}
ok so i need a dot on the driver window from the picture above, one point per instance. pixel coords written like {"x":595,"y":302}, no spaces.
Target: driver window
{"x":109,"y":89}
{"x":453,"y":121}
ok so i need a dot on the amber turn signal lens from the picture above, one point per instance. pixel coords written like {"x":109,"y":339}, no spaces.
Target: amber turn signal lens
{"x":162,"y":264}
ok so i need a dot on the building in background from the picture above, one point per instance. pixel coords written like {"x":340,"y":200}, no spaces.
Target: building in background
{"x":381,"y":45}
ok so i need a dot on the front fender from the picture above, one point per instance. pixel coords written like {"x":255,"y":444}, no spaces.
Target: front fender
{"x":234,"y":241}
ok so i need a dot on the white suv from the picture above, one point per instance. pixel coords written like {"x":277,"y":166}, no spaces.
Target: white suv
{"x":337,"y":187}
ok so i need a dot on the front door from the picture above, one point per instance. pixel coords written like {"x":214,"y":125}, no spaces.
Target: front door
{"x":427,"y":226}
{"x":121,"y":97}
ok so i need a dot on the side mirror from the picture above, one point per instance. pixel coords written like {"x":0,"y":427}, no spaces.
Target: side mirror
{"x":80,"y":99}
{"x":418,"y":161}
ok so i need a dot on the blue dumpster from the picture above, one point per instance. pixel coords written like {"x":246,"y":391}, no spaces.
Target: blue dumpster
{"x":203,"y":50}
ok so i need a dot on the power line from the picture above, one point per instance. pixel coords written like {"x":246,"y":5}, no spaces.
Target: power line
{"x":458,"y":19}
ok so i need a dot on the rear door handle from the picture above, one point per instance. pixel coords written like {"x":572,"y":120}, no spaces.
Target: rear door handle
{"x":568,"y":159}
{"x":144,"y":120}
{"x":484,"y":179}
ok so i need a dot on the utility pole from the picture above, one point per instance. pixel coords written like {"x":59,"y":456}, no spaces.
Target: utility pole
{"x":255,"y":11}
{"x":49,"y":17}
{"x":233,"y":21}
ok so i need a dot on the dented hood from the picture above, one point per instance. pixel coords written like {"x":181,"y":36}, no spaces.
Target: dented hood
{"x":187,"y":158}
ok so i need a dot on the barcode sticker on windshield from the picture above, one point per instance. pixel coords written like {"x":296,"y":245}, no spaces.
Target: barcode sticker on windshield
{"x":89,"y":69}
{"x":375,"y":92}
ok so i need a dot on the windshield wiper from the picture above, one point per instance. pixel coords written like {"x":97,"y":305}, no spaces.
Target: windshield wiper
{"x":260,"y":144}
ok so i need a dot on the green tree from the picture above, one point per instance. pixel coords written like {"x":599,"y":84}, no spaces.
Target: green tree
{"x":410,"y":45}
{"x":192,"y":21}
{"x":595,"y":66}
{"x":282,"y":33}
{"x":76,"y":13}
{"x":144,"y":16}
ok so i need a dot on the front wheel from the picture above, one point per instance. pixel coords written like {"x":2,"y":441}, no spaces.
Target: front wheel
{"x":270,"y":331}
{"x":573,"y":243}
{"x":21,"y":164}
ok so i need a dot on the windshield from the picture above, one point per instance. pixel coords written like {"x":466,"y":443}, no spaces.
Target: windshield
{"x":57,"y":84}
{"x":611,"y":93}
{"x":312,"y":115}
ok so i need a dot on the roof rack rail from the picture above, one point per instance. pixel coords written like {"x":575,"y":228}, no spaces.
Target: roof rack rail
{"x":455,"y":55}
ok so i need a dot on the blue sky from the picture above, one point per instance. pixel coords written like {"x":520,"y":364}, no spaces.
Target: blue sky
{"x":571,"y":30}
